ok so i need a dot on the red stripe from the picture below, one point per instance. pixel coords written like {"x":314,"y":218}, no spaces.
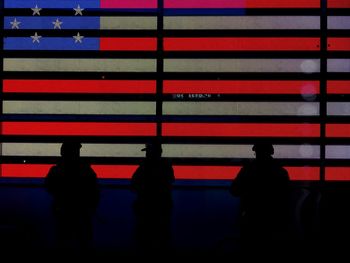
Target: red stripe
{"x":241,"y":43}
{"x":337,"y":174}
{"x":181,"y":172}
{"x":338,"y":4}
{"x":127,"y":44}
{"x":230,"y":172}
{"x":79,"y":128}
{"x":25,"y":170}
{"x":338,"y":87}
{"x":241,"y":130}
{"x":338,"y":44}
{"x":206,"y":172}
{"x":304,"y":173}
{"x":41,"y":170}
{"x":114,"y":171}
{"x":241,"y":4}
{"x":241,"y":87}
{"x":80,"y":86}
{"x":129,"y":4}
{"x":338,"y":130}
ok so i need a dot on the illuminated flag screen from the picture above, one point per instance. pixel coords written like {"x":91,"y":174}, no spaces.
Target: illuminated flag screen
{"x":209,"y":78}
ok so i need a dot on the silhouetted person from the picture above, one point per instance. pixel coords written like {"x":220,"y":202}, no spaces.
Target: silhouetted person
{"x":152,"y":182}
{"x":263,"y":187}
{"x":73,"y":185}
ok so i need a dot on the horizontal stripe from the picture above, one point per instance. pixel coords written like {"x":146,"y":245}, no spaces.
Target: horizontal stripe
{"x":79,"y":65}
{"x":125,"y":44}
{"x":304,"y":173}
{"x":78,"y":107}
{"x":24,"y":170}
{"x":241,"y":22}
{"x":242,"y":65}
{"x":206,"y":172}
{"x":83,"y":22}
{"x":337,"y":174}
{"x":114,"y":171}
{"x":237,"y":151}
{"x":169,"y":150}
{"x":338,"y":22}
{"x":338,"y":4}
{"x":129,"y":4}
{"x":51,"y":43}
{"x":230,"y":172}
{"x":241,"y":4}
{"x":241,"y":87}
{"x":47,"y":22}
{"x":205,"y":11}
{"x":241,"y":108}
{"x":338,"y":130}
{"x":87,"y":150}
{"x":128,"y":23}
{"x":51,"y":3}
{"x":126,"y":171}
{"x":338,"y":44}
{"x":84,"y":4}
{"x":338,"y":151}
{"x":338,"y":65}
{"x":241,"y":130}
{"x":338,"y":86}
{"x":338,"y":108}
{"x":86,"y":43}
{"x":241,"y":43}
{"x":41,"y":170}
{"x":79,"y":86}
{"x":78,"y":128}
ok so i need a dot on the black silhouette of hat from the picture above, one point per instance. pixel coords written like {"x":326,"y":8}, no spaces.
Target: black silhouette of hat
{"x":152,"y":146}
{"x":71,"y":144}
{"x":263,"y":147}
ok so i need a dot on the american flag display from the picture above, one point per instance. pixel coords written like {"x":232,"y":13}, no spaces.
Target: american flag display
{"x":208,"y":77}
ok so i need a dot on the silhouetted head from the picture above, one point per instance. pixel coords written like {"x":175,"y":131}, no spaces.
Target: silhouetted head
{"x":70,"y":150}
{"x":153,"y":150}
{"x":263,"y":150}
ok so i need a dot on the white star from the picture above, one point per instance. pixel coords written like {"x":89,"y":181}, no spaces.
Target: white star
{"x":78,"y":38}
{"x":57,"y":24}
{"x":15,"y":24}
{"x":78,"y":10}
{"x":36,"y":37}
{"x":36,"y":10}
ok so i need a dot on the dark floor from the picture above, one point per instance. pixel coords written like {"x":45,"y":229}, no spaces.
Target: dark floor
{"x":205,"y":224}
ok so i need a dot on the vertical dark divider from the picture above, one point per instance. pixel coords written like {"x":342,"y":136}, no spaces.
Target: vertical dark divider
{"x":2,"y":76}
{"x":160,"y":67}
{"x":323,"y":88}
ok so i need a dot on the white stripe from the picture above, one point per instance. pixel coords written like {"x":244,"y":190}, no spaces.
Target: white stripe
{"x":242,"y":22}
{"x":241,"y":108}
{"x":79,"y":65}
{"x":87,"y":150}
{"x":338,"y":108}
{"x":338,"y":151}
{"x":169,"y":150}
{"x":338,"y":22}
{"x":338,"y":65}
{"x":128,"y":23}
{"x":78,"y":107}
{"x":237,"y":151}
{"x":242,"y":65}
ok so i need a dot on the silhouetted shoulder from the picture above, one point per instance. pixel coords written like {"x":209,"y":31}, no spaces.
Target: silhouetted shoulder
{"x":168,"y":169}
{"x":242,"y":176}
{"x":50,"y":180}
{"x":87,"y":170}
